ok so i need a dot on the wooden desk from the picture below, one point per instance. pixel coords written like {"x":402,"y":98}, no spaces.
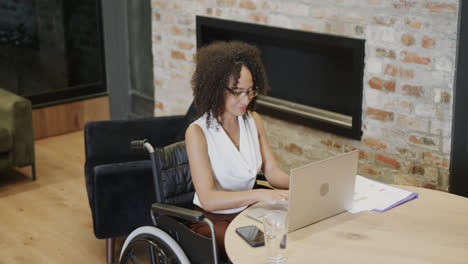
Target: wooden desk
{"x":430,"y":229}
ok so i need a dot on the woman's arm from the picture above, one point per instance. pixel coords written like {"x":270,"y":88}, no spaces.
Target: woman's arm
{"x":202,"y":177}
{"x":274,"y":175}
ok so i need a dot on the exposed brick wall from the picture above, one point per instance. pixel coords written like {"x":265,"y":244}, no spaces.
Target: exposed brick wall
{"x":408,"y":78}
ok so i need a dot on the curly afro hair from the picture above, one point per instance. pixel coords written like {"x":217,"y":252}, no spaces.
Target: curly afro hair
{"x":217,"y":64}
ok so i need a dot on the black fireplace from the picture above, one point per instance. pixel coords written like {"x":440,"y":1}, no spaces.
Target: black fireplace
{"x":316,"y":79}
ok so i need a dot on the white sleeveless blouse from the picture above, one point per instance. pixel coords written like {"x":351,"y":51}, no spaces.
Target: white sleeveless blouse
{"x":233,"y":170}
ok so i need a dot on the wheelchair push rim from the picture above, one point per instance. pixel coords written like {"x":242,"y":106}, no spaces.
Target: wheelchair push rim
{"x":165,"y":248}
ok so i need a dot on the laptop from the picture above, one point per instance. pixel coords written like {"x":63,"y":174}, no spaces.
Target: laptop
{"x":317,"y":191}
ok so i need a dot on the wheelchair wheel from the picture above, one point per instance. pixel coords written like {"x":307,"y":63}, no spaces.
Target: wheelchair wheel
{"x":149,"y":244}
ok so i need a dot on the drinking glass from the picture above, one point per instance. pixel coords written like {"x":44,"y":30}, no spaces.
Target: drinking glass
{"x":275,"y":229}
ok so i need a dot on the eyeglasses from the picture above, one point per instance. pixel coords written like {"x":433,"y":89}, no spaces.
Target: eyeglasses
{"x":250,"y":93}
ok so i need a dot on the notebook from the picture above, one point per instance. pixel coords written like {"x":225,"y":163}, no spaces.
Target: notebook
{"x":317,"y":191}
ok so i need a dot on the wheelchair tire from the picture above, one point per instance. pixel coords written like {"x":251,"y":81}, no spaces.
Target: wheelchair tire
{"x":158,"y":239}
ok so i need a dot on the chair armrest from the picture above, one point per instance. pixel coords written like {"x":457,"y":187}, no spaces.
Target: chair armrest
{"x":120,"y":196}
{"x":176,"y":211}
{"x":16,"y":116}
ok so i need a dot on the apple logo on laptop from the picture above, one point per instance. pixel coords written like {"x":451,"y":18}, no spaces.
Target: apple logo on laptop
{"x":324,"y":189}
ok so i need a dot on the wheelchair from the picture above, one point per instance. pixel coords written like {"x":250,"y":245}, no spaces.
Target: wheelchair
{"x":170,"y":240}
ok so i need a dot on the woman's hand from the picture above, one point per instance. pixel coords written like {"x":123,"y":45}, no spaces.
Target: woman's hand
{"x":273,"y":196}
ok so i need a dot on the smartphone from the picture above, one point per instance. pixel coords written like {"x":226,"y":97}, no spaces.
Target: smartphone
{"x":252,"y":235}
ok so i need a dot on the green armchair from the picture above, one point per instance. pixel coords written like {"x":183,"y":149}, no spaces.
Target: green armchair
{"x":16,"y":132}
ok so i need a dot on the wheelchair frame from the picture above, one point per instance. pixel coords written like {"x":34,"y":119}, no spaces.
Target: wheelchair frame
{"x":157,"y":238}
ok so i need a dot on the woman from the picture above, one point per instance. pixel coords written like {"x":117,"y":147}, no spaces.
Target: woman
{"x":227,"y":145}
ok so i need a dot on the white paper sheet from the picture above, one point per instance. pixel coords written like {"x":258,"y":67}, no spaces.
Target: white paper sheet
{"x":377,"y":196}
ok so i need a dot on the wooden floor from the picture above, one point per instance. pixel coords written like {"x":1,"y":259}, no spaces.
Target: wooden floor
{"x":49,"y":220}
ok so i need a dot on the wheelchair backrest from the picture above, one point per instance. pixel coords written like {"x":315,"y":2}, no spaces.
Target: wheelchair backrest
{"x":174,"y":175}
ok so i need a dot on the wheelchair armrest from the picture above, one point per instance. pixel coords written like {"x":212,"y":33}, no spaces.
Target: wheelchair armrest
{"x":176,"y":211}
{"x":187,"y":214}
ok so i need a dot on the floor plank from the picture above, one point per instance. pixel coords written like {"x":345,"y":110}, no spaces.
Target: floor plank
{"x":49,"y":220}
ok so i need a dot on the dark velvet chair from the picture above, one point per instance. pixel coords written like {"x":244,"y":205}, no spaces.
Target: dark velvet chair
{"x":119,"y":180}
